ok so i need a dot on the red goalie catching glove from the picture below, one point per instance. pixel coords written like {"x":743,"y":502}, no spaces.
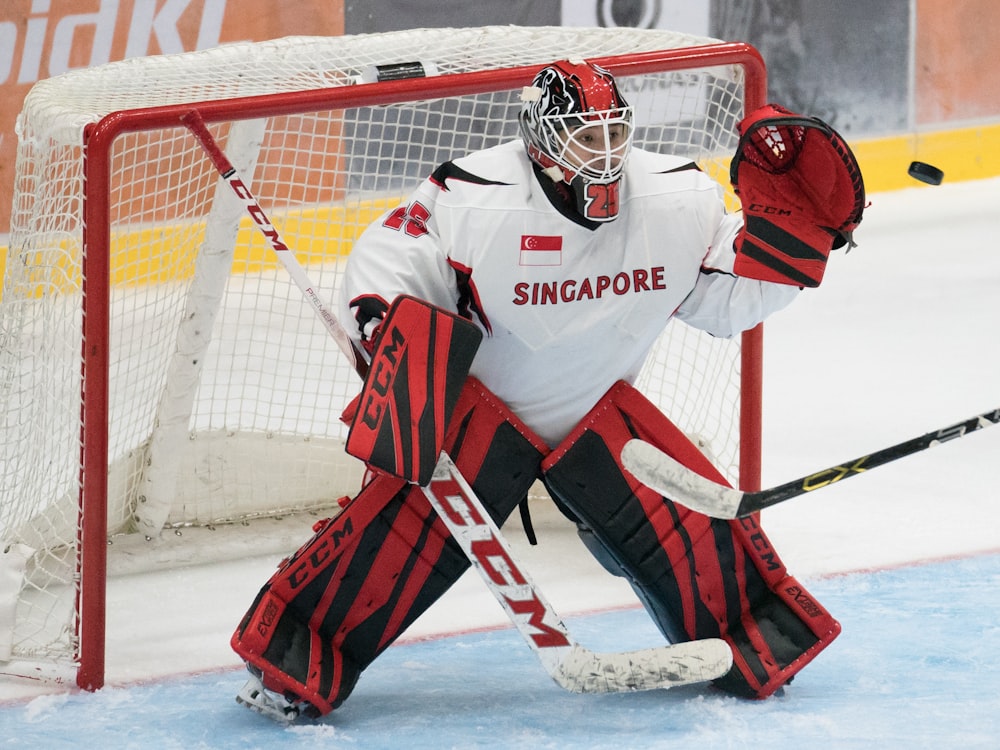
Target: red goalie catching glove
{"x":802,"y":192}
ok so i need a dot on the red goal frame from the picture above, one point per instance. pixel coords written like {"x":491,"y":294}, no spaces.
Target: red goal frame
{"x":98,"y":142}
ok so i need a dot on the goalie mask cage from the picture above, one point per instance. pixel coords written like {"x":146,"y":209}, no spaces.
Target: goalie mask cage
{"x":158,"y":370}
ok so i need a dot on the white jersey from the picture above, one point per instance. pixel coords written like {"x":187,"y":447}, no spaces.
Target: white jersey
{"x":567,"y":309}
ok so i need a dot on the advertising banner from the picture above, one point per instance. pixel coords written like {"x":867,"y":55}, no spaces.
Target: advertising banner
{"x":676,"y":15}
{"x":43,"y":38}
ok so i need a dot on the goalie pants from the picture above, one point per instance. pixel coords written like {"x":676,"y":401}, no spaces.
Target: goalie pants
{"x":698,"y":577}
{"x":369,"y":572}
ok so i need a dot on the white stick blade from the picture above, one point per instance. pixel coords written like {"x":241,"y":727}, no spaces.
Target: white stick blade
{"x":673,"y":480}
{"x":583,"y":671}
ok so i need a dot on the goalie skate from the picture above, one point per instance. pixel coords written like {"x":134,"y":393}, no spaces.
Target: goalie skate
{"x":257,"y":698}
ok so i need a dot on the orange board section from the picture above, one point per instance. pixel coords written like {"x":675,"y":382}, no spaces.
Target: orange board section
{"x":42,"y":38}
{"x":956,"y":75}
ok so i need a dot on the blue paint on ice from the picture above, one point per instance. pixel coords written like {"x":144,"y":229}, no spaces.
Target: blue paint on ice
{"x":917,"y":666}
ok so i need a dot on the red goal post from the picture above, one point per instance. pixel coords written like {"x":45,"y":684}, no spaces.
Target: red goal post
{"x":179,"y":386}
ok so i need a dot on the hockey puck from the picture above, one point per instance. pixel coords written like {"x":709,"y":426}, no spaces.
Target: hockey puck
{"x":925,"y":173}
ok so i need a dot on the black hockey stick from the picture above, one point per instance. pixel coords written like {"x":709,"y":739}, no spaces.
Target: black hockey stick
{"x":569,"y":664}
{"x":657,"y":470}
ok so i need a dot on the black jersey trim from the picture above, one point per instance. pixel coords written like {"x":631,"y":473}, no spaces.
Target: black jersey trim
{"x":561,"y":199}
{"x":449,"y":171}
{"x":683,"y":168}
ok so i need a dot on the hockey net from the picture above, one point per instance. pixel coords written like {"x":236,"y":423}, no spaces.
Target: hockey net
{"x":159,"y":370}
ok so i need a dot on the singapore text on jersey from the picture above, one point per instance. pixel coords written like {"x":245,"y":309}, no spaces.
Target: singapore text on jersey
{"x":574,"y":290}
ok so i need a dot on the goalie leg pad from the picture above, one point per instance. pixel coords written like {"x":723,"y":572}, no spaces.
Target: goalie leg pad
{"x":369,"y":572}
{"x":698,"y":577}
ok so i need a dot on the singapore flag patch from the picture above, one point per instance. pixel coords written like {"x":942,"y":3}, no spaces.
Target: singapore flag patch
{"x":541,"y":250}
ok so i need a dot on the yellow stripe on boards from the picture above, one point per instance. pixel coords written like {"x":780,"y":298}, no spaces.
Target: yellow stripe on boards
{"x":164,"y":254}
{"x":319,"y":234}
{"x":971,"y":153}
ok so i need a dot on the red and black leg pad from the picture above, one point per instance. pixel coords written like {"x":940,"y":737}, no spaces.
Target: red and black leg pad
{"x":698,"y":577}
{"x":370,"y":571}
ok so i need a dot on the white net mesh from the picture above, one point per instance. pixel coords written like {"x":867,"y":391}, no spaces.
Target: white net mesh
{"x":224,"y":391}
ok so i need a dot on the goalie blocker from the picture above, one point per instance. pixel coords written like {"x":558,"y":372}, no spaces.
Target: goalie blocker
{"x":698,"y":577}
{"x":419,"y":363}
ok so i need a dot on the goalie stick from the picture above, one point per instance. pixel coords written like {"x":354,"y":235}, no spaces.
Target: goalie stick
{"x":569,"y":664}
{"x":660,"y":472}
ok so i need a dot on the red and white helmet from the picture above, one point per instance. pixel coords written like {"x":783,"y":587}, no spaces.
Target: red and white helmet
{"x":578,"y":128}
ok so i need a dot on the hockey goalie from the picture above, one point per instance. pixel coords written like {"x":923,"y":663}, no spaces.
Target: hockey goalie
{"x":569,"y":251}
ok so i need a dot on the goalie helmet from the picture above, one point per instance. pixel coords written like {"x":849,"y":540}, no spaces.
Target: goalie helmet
{"x":577,"y":128}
